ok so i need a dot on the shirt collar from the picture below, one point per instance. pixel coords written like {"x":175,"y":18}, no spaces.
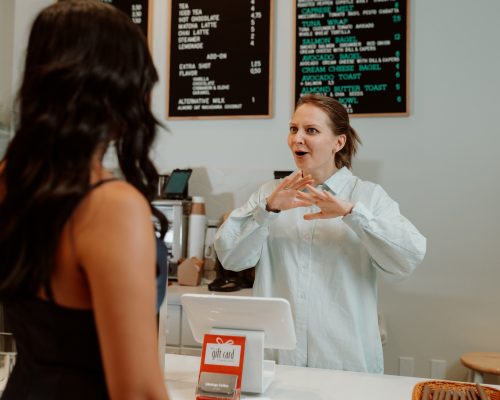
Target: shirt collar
{"x":337,"y":181}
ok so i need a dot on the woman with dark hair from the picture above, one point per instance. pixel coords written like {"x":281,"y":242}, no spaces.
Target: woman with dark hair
{"x":78,"y":264}
{"x":319,"y":238}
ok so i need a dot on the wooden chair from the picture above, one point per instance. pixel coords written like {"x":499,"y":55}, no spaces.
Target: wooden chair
{"x":481,"y":363}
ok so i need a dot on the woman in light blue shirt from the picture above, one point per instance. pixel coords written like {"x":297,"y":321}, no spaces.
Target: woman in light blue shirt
{"x":320,"y":238}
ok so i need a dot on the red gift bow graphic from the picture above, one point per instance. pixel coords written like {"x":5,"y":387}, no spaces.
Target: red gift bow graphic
{"x":220,"y":341}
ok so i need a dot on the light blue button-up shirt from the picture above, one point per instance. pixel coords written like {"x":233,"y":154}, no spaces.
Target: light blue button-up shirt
{"x":326,"y":268}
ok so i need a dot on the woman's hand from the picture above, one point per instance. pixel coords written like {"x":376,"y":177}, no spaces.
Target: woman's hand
{"x":285,"y":196}
{"x":330,"y":205}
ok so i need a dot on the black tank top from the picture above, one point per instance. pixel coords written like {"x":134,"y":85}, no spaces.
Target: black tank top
{"x":58,"y":354}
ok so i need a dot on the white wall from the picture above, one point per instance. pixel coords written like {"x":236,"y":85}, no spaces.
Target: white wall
{"x":24,"y":13}
{"x":16,"y":17}
{"x":440,"y":164}
{"x":6,"y":40}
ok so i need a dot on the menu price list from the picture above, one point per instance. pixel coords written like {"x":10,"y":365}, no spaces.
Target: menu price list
{"x":355,"y":51}
{"x":137,"y":10}
{"x":219,"y":58}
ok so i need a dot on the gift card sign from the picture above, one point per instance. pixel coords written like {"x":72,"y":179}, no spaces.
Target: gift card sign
{"x":227,"y":354}
{"x":221,"y":367}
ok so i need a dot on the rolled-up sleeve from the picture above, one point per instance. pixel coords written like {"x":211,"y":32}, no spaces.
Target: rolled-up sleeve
{"x":395,"y":246}
{"x":238,"y":242}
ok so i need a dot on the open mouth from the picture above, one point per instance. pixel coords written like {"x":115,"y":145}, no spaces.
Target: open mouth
{"x":300,"y":153}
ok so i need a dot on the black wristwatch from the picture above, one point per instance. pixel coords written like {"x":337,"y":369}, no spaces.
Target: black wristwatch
{"x":271,"y":209}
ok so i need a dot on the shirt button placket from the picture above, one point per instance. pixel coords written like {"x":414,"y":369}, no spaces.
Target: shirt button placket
{"x":306,"y":288}
{"x":303,"y":290}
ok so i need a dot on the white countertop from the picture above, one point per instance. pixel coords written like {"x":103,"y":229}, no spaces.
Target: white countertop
{"x":295,"y":383}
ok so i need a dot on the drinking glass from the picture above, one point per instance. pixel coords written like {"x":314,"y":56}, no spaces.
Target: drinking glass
{"x":7,"y":357}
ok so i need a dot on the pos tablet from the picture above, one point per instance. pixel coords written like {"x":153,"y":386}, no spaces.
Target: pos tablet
{"x":176,"y":187}
{"x":266,"y":322}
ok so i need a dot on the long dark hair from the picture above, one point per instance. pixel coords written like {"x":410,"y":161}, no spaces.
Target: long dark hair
{"x":339,"y":121}
{"x":87,"y":81}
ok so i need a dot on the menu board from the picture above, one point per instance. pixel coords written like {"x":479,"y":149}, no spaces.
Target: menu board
{"x":138,"y":10}
{"x":355,"y":51}
{"x":219,"y":59}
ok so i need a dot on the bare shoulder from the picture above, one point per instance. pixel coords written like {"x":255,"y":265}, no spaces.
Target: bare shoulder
{"x":113,"y":227}
{"x":112,"y":202}
{"x":117,"y":191}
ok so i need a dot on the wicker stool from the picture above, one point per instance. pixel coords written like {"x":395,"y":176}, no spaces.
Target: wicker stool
{"x":481,"y":363}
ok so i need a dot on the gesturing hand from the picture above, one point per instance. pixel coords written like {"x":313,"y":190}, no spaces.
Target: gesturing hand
{"x":285,"y":196}
{"x":330,"y":205}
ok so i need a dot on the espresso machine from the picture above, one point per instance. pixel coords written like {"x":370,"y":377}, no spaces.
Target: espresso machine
{"x":173,"y":201}
{"x":177,"y":213}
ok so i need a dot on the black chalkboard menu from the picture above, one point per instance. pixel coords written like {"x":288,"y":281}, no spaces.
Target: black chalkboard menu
{"x":138,"y":10}
{"x":355,"y":51}
{"x":219,"y":59}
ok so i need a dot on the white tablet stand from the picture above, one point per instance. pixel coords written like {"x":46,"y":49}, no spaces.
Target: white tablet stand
{"x":265,"y":322}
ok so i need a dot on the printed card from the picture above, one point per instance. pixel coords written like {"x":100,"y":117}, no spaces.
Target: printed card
{"x":221,"y":367}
